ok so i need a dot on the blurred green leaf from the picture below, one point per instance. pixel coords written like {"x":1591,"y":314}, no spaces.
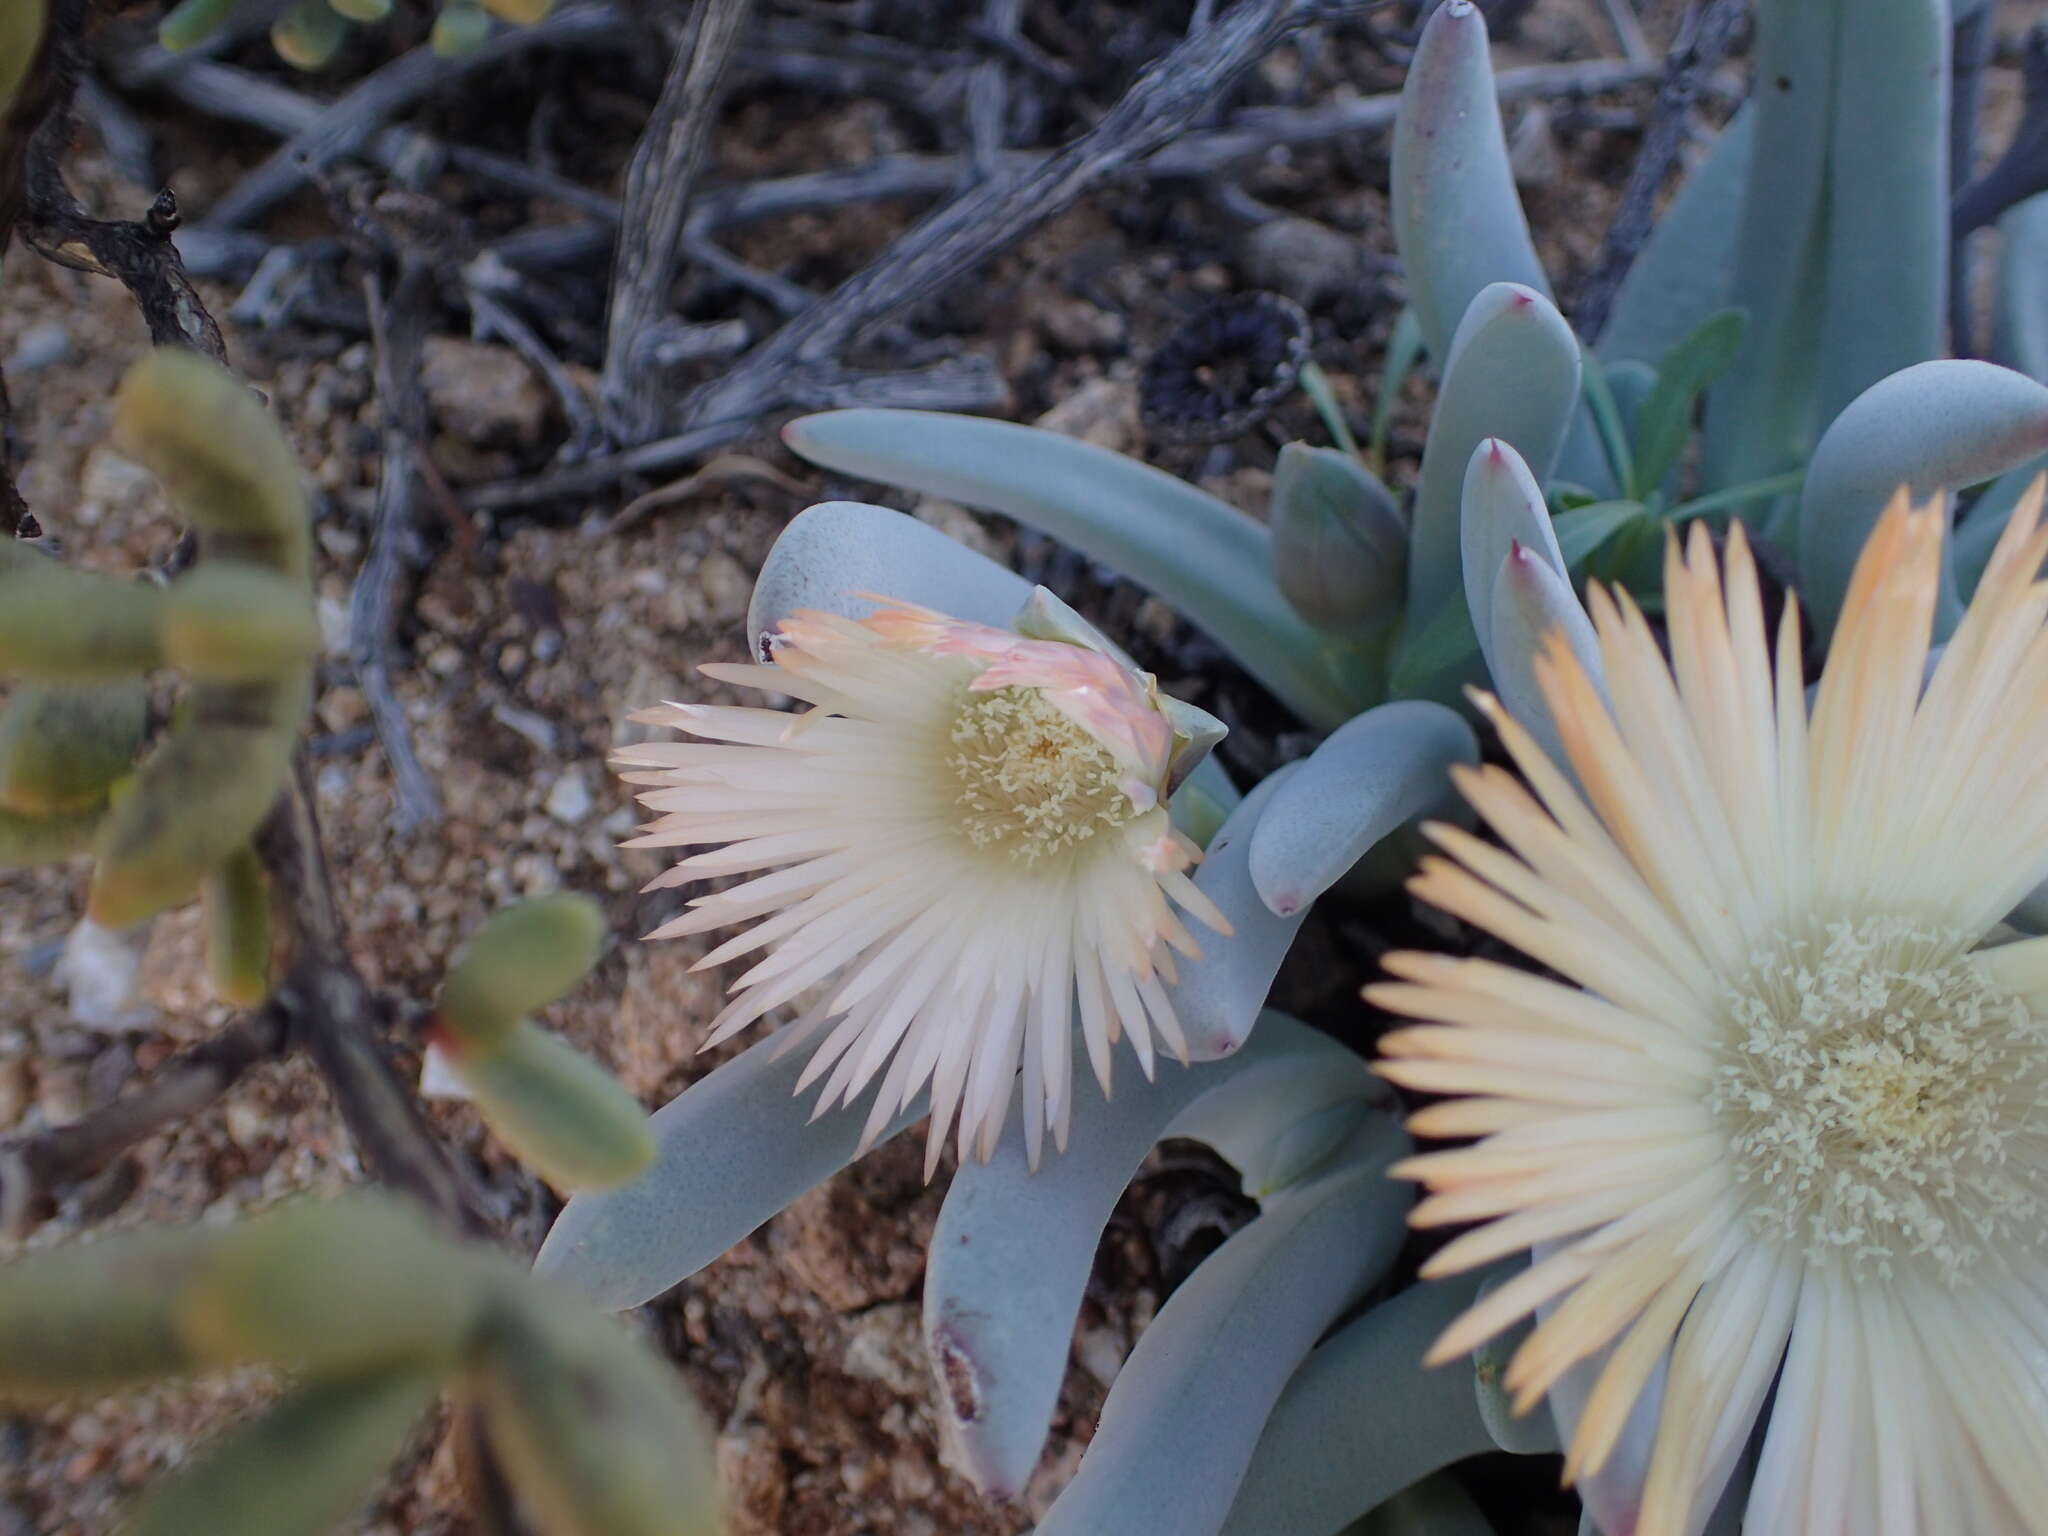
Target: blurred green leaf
{"x":556,"y":1109}
{"x":521,"y":958}
{"x":236,"y":898}
{"x":335,"y":1287}
{"x":1682,"y":377}
{"x":1582,"y":530}
{"x":597,"y":1435}
{"x":309,"y":34}
{"x":1607,"y":420}
{"x":1404,"y":351}
{"x":299,"y":1469}
{"x":62,"y":747}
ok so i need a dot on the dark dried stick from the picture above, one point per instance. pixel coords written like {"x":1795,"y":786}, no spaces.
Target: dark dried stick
{"x":398,"y":331}
{"x":787,"y":297}
{"x":2022,"y":170}
{"x":989,"y":218}
{"x":988,"y":90}
{"x":339,"y":1022}
{"x":348,"y":124}
{"x":496,"y":318}
{"x":1703,"y":41}
{"x":792,"y":365}
{"x":1970,"y":52}
{"x":218,"y":89}
{"x":34,"y":1168}
{"x":137,"y":253}
{"x":659,"y":182}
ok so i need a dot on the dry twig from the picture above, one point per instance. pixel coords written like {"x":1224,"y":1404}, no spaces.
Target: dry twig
{"x":658,"y":187}
{"x":398,"y":325}
{"x":35,"y":1168}
{"x":1703,"y":42}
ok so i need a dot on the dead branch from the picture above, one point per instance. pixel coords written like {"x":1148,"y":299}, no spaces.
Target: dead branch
{"x":1143,"y":134}
{"x":139,"y":254}
{"x":35,"y":1168}
{"x":1970,"y":52}
{"x":988,"y":219}
{"x":35,"y":199}
{"x":398,"y":330}
{"x":1703,"y":41}
{"x":347,"y":125}
{"x":337,"y":1020}
{"x":988,"y":90}
{"x":493,"y":317}
{"x":658,"y":186}
{"x":2022,"y":171}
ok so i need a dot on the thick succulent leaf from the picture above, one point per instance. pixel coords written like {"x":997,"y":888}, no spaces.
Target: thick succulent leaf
{"x":1436,"y":1506}
{"x":1530,"y":602}
{"x":1978,"y":529}
{"x":1933,"y":428}
{"x":1512,"y":374}
{"x":731,"y":1150}
{"x":1340,"y":543}
{"x":1219,"y":994}
{"x":2019,"y":333}
{"x":1681,"y":276}
{"x":1369,"y":777}
{"x":1501,"y":505}
{"x":1887,"y":226}
{"x":1013,"y":1248}
{"x":1458,"y":222}
{"x":1187,"y":1409}
{"x":1760,"y":415}
{"x":1202,"y":555}
{"x":596,"y":1433}
{"x":297,"y":1471}
{"x":835,"y":551}
{"x":1362,"y":1419}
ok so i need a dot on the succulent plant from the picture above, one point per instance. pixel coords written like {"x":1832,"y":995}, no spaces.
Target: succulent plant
{"x":308,"y":33}
{"x":559,"y":1112}
{"x":239,"y":624}
{"x":369,"y":1310}
{"x":1808,"y":350}
{"x":374,"y":1315}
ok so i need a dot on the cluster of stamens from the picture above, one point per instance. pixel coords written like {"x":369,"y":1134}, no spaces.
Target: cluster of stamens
{"x":1031,"y":782}
{"x":1882,"y":1101}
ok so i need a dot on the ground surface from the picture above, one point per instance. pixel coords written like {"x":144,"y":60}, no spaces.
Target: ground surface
{"x":529,"y":640}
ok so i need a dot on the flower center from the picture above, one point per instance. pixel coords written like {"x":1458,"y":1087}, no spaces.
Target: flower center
{"x":1880,"y":1098}
{"x":1031,"y":782}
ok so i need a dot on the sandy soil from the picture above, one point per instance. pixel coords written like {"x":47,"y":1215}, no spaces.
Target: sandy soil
{"x":529,"y":640}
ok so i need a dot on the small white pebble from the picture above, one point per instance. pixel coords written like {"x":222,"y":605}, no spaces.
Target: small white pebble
{"x":569,"y":802}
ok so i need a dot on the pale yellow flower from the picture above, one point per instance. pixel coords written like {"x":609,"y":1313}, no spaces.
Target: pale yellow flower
{"x":1781,"y":1117}
{"x":968,"y":838}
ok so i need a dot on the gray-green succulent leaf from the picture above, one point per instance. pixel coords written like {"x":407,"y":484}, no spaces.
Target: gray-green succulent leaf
{"x":1369,"y":777}
{"x":1188,"y":1408}
{"x":1458,"y":221}
{"x":1209,"y":560}
{"x":1932,"y":428}
{"x":1013,"y":1248}
{"x":731,"y":1150}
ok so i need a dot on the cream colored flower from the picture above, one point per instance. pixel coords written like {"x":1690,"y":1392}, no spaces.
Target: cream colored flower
{"x":968,"y":838}
{"x":1782,"y":1118}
